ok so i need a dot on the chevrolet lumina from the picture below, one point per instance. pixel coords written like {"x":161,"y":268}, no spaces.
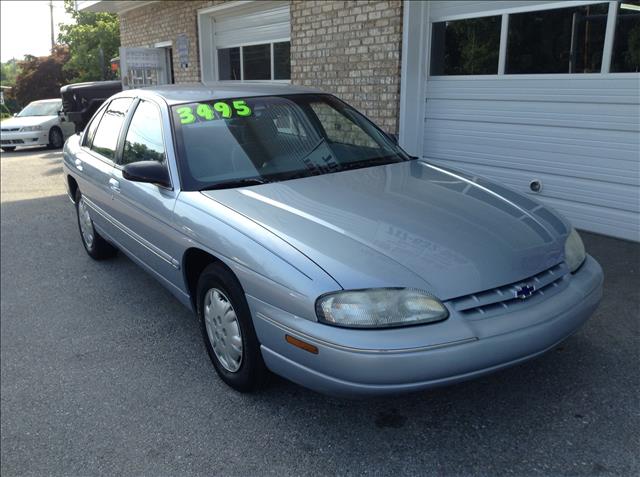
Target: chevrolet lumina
{"x":309,"y":244}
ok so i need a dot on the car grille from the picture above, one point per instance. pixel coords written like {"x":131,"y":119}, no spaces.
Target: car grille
{"x":9,"y":129}
{"x":503,"y":299}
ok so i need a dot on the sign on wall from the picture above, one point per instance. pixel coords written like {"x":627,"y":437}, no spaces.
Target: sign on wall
{"x":182,"y":49}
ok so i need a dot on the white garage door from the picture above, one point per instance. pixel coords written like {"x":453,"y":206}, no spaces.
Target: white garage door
{"x":245,"y":41}
{"x":536,"y":96}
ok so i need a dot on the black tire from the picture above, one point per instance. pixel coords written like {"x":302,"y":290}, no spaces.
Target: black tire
{"x":252,"y":373}
{"x":9,"y":149}
{"x":56,"y":138}
{"x":98,"y":248}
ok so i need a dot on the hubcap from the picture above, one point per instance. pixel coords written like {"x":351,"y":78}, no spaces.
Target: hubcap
{"x":223,"y":329}
{"x":86,"y":226}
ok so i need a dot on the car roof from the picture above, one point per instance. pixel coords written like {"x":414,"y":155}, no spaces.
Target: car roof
{"x":186,"y":93}
{"x":47,"y":100}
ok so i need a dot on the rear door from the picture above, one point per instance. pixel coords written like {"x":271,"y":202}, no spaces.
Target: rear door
{"x":146,"y":210}
{"x":96,"y":163}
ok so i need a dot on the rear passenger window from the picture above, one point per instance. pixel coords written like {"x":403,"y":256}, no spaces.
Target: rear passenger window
{"x":105,"y":140}
{"x":91,"y":129}
{"x":144,"y":137}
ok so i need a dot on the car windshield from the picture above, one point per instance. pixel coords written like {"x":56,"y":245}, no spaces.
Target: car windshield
{"x":246,"y":141}
{"x":48,"y":108}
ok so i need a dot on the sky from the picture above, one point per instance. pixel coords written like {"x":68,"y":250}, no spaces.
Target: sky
{"x":25,"y":27}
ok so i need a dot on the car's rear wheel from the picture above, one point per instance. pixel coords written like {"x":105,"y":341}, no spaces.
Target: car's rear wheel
{"x":227,"y":330}
{"x":56,"y":139}
{"x":97,"y":247}
{"x":9,"y":149}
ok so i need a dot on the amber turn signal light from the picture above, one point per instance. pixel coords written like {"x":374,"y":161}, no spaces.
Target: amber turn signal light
{"x":301,"y":344}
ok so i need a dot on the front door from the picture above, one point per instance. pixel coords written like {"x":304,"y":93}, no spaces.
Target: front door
{"x":146,"y":210}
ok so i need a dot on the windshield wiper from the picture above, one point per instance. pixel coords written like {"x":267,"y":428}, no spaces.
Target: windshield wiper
{"x":378,"y":161}
{"x":249,"y":181}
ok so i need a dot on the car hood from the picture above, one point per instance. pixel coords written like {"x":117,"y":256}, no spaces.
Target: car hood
{"x":408,"y":224}
{"x":20,"y":122}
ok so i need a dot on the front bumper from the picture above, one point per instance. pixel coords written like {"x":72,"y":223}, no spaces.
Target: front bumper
{"x":30,"y":138}
{"x":352,"y":362}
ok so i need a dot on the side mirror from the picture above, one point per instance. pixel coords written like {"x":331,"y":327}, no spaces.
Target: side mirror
{"x":152,"y":172}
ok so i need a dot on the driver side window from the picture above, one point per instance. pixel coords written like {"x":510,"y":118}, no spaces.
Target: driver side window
{"x":144,"y":137}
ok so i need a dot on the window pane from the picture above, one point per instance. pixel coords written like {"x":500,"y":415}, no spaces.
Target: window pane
{"x":282,"y":60}
{"x":626,"y":46}
{"x":466,"y":47}
{"x":257,"y":62}
{"x":565,"y":40}
{"x":106,"y":138}
{"x":144,"y":137}
{"x":91,"y":128}
{"x":229,"y":64}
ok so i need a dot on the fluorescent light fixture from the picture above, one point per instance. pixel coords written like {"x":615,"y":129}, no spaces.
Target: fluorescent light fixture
{"x":629,"y":6}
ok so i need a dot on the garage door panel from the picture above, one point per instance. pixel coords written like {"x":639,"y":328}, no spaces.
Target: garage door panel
{"x":593,"y":192}
{"x":620,"y":143}
{"x":580,"y":136}
{"x":593,"y":89}
{"x":599,"y":218}
{"x":621,"y":117}
{"x":568,"y":166}
{"x":537,"y":147}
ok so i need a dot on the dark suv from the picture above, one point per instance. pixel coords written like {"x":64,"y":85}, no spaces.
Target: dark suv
{"x":81,"y":100}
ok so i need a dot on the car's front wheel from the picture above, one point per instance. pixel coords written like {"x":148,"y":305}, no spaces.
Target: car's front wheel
{"x":97,"y":247}
{"x":56,"y":139}
{"x":227,"y":329}
{"x":9,"y":149}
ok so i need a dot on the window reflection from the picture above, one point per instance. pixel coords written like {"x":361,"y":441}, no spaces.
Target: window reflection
{"x":466,"y":47}
{"x":565,"y":40}
{"x":106,"y":136}
{"x":626,"y":45}
{"x":144,"y":137}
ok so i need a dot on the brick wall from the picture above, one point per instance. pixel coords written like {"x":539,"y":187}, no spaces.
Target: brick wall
{"x":351,"y":49}
{"x":348,"y":48}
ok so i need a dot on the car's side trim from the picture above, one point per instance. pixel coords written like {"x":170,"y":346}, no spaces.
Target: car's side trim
{"x":363,"y":350}
{"x":124,"y":229}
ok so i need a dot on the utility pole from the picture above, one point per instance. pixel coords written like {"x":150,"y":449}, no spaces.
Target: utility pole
{"x":51,"y":14}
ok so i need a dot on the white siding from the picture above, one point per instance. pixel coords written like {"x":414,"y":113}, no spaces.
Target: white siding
{"x":579,"y":136}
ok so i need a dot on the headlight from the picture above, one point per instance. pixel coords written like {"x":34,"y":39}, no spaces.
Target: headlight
{"x":31,"y":128}
{"x":379,"y":308}
{"x":574,"y":253}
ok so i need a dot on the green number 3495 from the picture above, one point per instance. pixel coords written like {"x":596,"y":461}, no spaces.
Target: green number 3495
{"x":204,"y":111}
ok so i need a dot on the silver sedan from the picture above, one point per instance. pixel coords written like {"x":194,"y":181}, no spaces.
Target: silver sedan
{"x":310,"y":244}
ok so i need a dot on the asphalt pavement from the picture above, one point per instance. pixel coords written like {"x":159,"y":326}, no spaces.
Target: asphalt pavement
{"x":103,"y":372}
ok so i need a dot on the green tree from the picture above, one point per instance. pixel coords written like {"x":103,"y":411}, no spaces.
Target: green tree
{"x":93,"y":40}
{"x":9,"y":71}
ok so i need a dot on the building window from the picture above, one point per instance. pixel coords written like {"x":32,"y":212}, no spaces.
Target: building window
{"x":466,"y":47}
{"x":566,"y":40}
{"x":626,"y":45}
{"x":267,"y":61}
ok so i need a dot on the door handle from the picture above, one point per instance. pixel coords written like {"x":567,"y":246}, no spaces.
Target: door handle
{"x":78,"y":164}
{"x":114,"y":185}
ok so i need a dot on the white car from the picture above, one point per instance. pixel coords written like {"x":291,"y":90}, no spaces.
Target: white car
{"x":36,"y":125}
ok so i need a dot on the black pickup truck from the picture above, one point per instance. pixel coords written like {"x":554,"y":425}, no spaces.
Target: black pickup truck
{"x":81,"y":100}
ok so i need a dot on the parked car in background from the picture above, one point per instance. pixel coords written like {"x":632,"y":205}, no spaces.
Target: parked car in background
{"x":81,"y":100}
{"x":310,"y":244}
{"x":39,"y":124}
